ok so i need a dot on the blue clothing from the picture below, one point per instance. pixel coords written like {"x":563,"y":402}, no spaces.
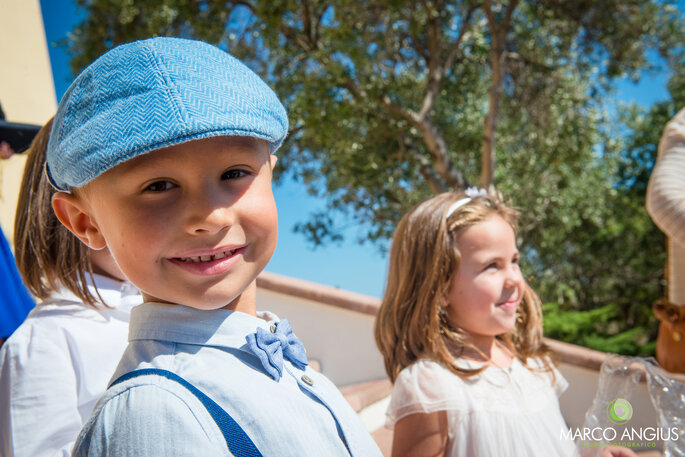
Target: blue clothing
{"x":271,"y":347}
{"x":301,"y":414}
{"x":237,"y":440}
{"x":155,"y":93}
{"x":15,"y":301}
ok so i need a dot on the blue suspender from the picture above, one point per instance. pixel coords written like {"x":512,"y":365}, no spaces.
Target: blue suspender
{"x":237,"y":440}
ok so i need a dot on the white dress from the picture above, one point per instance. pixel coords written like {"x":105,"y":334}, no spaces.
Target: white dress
{"x":498,"y":413}
{"x":56,"y":365}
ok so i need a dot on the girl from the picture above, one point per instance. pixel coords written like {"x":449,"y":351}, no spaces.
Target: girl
{"x":57,"y":363}
{"x":461,"y":335}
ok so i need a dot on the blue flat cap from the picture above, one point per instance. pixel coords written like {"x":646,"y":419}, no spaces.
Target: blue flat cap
{"x":154,"y":93}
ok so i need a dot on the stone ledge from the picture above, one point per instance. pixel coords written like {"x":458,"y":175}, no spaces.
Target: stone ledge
{"x":583,"y":357}
{"x":318,"y":293}
{"x":361,"y":395}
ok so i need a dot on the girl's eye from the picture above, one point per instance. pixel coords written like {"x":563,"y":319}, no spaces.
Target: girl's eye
{"x":233,"y":174}
{"x":159,"y":186}
{"x":492,"y":265}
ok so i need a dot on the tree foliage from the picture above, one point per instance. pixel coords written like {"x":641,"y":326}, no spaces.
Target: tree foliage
{"x":616,"y":317}
{"x":391,"y":101}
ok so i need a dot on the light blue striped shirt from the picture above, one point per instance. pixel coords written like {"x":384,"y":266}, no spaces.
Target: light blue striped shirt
{"x":152,"y":415}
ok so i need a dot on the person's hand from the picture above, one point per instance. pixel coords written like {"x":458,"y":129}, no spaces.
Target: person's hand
{"x":615,"y":451}
{"x":5,"y":150}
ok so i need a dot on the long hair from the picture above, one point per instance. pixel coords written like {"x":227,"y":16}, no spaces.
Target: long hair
{"x":424,"y":258}
{"x":48,"y":255}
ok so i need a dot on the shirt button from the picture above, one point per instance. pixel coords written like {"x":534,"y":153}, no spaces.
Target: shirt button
{"x":307,"y":380}
{"x":272,"y":328}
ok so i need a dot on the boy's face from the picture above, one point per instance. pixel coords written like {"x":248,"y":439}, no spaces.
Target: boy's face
{"x":192,"y":224}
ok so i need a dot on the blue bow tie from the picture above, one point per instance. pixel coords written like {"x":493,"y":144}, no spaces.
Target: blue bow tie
{"x":272,"y":346}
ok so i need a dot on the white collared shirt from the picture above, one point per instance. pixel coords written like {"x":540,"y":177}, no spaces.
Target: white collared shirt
{"x":57,"y":364}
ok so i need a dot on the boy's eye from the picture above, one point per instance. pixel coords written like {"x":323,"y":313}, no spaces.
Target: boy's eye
{"x":491,"y":265}
{"x":159,"y":186}
{"x":233,"y":174}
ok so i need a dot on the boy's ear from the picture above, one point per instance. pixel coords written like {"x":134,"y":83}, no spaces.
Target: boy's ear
{"x":73,"y":214}
{"x":274,"y":159}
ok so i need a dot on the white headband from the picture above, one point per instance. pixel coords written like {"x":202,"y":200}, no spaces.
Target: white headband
{"x":471,"y":192}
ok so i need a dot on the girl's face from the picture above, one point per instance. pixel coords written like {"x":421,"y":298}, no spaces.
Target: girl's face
{"x":192,"y":224}
{"x":487,"y":287}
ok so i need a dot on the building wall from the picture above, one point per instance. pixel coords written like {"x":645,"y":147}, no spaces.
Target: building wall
{"x":27,"y":91}
{"x":339,"y":339}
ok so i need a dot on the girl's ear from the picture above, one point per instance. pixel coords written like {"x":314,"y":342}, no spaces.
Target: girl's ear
{"x":74,"y":214}
{"x":273,"y":160}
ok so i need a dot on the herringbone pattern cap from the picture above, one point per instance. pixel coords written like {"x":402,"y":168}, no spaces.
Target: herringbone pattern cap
{"x":154,"y":93}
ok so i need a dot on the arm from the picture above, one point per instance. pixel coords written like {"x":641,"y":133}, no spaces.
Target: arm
{"x":666,"y":188}
{"x":612,"y":451}
{"x":39,"y":413}
{"x":421,"y":435}
{"x":5,"y":150}
{"x":147,"y":420}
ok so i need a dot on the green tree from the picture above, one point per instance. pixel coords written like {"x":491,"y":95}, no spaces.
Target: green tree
{"x":391,"y":101}
{"x":629,"y":241}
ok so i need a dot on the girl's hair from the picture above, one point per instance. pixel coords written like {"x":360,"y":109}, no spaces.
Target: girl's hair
{"x":48,"y":255}
{"x":424,"y":258}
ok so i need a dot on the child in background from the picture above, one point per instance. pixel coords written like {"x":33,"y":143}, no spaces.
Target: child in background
{"x":162,"y":150}
{"x":56,"y":365}
{"x":15,"y":301}
{"x":461,"y":336}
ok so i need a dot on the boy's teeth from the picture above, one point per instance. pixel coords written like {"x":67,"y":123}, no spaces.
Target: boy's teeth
{"x":207,"y":258}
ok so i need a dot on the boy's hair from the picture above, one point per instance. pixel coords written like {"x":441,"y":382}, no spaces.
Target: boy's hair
{"x":424,"y":258}
{"x":48,"y":255}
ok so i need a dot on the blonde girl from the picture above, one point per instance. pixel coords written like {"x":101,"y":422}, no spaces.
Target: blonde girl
{"x":461,"y":335}
{"x":58,"y":362}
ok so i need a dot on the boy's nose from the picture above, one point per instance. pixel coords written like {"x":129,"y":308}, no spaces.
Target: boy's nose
{"x":209,"y":214}
{"x":213,"y":222}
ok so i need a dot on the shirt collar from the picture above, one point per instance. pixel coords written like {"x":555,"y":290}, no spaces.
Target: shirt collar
{"x":114,"y":293}
{"x":186,"y":325}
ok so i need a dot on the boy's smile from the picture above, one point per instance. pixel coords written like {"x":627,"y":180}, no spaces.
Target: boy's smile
{"x":214,"y":261}
{"x":192,"y":224}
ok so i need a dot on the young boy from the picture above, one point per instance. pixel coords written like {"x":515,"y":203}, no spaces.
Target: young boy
{"x":162,"y":149}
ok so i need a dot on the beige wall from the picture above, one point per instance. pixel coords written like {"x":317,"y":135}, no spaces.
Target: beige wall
{"x":27,"y":92}
{"x":339,"y":339}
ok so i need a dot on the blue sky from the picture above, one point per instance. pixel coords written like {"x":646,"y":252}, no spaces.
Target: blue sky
{"x":350,"y":266}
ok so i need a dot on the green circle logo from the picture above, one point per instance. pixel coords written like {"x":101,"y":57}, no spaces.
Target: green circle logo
{"x":619,"y":411}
